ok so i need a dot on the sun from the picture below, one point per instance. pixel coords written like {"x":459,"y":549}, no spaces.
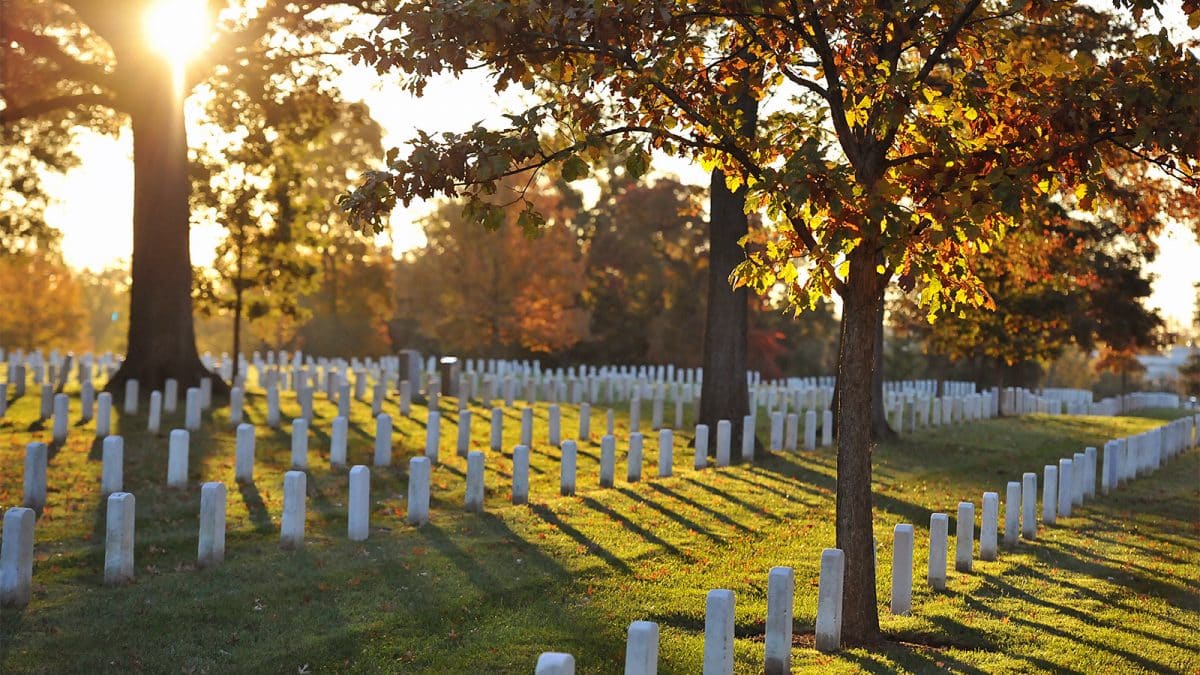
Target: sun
{"x":179,"y":30}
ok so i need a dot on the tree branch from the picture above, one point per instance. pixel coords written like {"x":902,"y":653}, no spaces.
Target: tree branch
{"x":49,"y":49}
{"x":44,"y":106}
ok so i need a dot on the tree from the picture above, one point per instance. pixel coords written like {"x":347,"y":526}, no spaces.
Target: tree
{"x":105,"y":298}
{"x":916,"y":136}
{"x":1056,"y":281}
{"x":289,"y":146}
{"x":512,"y":292}
{"x":644,"y":252}
{"x":40,"y":304}
{"x":89,"y":63}
{"x":350,"y":308}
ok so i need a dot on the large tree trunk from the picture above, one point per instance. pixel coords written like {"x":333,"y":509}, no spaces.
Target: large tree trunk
{"x":724,"y":394}
{"x":162,"y":343}
{"x":881,"y":430}
{"x":856,"y":364}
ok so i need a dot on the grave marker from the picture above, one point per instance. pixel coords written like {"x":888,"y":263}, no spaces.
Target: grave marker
{"x":211,"y":547}
{"x":829,"y":600}
{"x":781,"y":592}
{"x":291,"y":526}
{"x":118,"y":539}
{"x":358,"y":519}
{"x":112,"y":472}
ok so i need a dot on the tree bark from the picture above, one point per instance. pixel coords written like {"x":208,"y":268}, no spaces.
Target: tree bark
{"x":863,"y":298}
{"x":881,"y":430}
{"x":162,"y":341}
{"x":724,"y":394}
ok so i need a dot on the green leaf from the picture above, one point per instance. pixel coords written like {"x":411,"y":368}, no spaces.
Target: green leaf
{"x":574,"y":168}
{"x":637,"y":163}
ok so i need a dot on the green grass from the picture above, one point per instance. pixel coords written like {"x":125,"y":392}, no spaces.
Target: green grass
{"x":1112,"y":589}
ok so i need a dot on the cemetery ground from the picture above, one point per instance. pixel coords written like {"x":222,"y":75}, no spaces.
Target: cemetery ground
{"x":1113,"y":588}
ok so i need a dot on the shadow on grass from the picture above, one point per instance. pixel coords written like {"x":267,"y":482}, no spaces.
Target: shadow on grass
{"x":643,"y":499}
{"x":542,"y":511}
{"x":637,"y":529}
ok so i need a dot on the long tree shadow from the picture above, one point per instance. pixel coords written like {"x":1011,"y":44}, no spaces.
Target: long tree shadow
{"x":688,"y":524}
{"x":1153,"y":666}
{"x":677,"y":496}
{"x":542,"y":511}
{"x":734,"y":500}
{"x":633,"y":527}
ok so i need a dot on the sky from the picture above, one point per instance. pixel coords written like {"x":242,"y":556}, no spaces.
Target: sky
{"x":92,"y":204}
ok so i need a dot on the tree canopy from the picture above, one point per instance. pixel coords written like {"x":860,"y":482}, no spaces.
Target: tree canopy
{"x":912,"y":137}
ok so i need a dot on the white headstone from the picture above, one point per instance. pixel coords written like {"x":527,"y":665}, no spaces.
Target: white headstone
{"x":358,"y":521}
{"x":776,"y":431}
{"x":791,"y":432}
{"x":118,"y":539}
{"x":666,"y":452}
{"x":989,"y":526}
{"x":520,"y":479}
{"x":473,"y":499}
{"x":1066,"y":486}
{"x":1012,"y":513}
{"x":154,"y":418}
{"x":718,"y":633}
{"x":902,"y":569}
{"x":177,"y":458}
{"x":1078,"y":468}
{"x":103,"y":414}
{"x":273,"y":413}
{"x":236,"y":406}
{"x":211,"y":548}
{"x":299,"y":444}
{"x":585,"y":422}
{"x":724,"y":432}
{"x":36,"y":458}
{"x":131,"y":397}
{"x":496,"y":439}
{"x":567,"y":468}
{"x":16,"y":557}
{"x":61,"y":419}
{"x":243,"y":470}
{"x":191,"y":413}
{"x":87,"y":400}
{"x":700,"y":459}
{"x":781,"y":596}
{"x":112,"y":472}
{"x":433,"y":435}
{"x":748,"y":423}
{"x":964,"y":538}
{"x":641,"y":649}
{"x":634,"y":470}
{"x":405,"y":398}
{"x":939,"y":529}
{"x":555,"y":663}
{"x":419,"y":469}
{"x":829,"y":600}
{"x":826,"y":428}
{"x":608,"y":460}
{"x":464,"y":432}
{"x":1050,"y":494}
{"x":291,"y":526}
{"x":810,"y":430}
{"x":527,"y":427}
{"x":1029,"y":505}
{"x":206,"y":393}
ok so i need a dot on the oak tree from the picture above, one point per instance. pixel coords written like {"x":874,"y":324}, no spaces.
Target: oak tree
{"x":911,"y":136}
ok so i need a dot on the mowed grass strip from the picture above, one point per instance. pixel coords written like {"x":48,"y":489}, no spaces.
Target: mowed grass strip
{"x":1112,"y":589}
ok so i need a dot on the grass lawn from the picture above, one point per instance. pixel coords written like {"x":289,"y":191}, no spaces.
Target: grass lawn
{"x":1113,"y":589}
